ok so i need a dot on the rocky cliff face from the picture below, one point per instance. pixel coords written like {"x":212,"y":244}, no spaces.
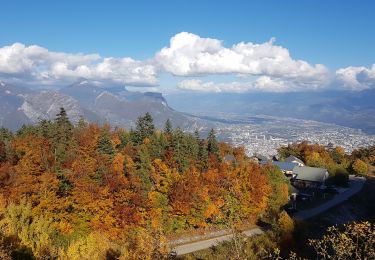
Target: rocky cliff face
{"x":115,"y":105}
{"x":46,"y":104}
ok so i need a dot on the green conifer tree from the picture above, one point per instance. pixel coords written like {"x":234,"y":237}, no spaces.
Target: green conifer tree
{"x":212,"y":146}
{"x":168,"y":127}
{"x":61,"y":136}
{"x":180,"y":148}
{"x":202,"y":156}
{"x":104,"y":144}
{"x":144,"y":128}
{"x":143,"y":168}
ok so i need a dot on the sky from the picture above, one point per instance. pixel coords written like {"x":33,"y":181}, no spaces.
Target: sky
{"x":209,"y":46}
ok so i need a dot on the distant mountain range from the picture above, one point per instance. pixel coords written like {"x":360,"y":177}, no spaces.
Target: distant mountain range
{"x":347,"y":108}
{"x":20,"y":105}
{"x":120,"y":107}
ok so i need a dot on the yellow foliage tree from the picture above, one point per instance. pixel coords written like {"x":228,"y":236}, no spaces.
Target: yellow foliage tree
{"x":34,"y":232}
{"x":118,"y":164}
{"x":285,"y":223}
{"x":360,"y":167}
{"x":93,"y":246}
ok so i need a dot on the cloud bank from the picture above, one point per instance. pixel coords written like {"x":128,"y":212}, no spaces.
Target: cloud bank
{"x":189,"y":57}
{"x":262,"y":83}
{"x":36,"y":65}
{"x":356,"y":78}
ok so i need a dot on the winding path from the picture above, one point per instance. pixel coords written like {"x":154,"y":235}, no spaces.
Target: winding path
{"x":200,"y":245}
{"x":356,"y":184}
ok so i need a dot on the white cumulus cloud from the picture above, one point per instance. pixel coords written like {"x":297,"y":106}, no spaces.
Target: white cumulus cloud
{"x":190,"y":55}
{"x":356,"y":78}
{"x":37,"y":65}
{"x":257,"y":66}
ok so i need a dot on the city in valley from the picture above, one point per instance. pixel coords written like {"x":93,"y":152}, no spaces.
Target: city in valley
{"x":265,"y":134}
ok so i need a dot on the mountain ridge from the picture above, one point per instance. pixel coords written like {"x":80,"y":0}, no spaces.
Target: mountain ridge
{"x":345,"y":108}
{"x":117,"y":105}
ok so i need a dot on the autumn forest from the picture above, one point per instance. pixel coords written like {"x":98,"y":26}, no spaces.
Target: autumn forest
{"x":63,"y":185}
{"x":73,"y":191}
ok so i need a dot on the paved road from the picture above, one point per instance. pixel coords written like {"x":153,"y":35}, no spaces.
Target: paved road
{"x":200,"y":245}
{"x":356,"y":184}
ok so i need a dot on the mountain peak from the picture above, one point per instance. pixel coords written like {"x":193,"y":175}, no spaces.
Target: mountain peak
{"x":106,"y":94}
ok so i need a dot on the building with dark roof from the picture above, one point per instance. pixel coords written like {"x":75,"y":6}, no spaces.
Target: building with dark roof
{"x":293,"y":159}
{"x":285,"y":167}
{"x":309,"y":177}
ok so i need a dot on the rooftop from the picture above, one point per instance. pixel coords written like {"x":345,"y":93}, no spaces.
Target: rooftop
{"x":310,"y":173}
{"x":284,"y":166}
{"x":292,"y":158}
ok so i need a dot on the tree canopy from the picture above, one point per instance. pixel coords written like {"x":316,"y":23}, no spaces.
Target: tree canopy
{"x":61,"y":185}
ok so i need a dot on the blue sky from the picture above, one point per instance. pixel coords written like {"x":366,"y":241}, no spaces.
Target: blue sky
{"x":337,"y":34}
